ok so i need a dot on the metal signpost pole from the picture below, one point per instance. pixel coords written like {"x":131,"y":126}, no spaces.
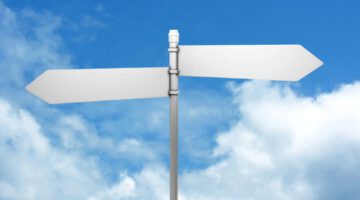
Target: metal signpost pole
{"x":174,"y":94}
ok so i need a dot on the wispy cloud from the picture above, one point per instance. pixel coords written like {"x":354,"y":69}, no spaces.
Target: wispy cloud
{"x":29,"y":44}
{"x":87,"y":21}
{"x":99,"y":8}
{"x":85,"y":28}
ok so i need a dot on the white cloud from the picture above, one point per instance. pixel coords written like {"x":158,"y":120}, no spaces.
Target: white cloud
{"x":32,"y":168}
{"x":284,"y":146}
{"x":87,"y":21}
{"x":124,"y":189}
{"x":151,"y":183}
{"x":76,"y":134}
{"x":29,"y":43}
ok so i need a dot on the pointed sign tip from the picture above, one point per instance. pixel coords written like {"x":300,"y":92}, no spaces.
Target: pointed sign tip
{"x":27,"y":88}
{"x":30,"y":88}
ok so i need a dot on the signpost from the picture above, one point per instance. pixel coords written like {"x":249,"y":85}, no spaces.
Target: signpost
{"x":267,"y":62}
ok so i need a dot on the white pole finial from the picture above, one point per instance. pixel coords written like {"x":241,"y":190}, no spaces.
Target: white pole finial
{"x":173,"y":37}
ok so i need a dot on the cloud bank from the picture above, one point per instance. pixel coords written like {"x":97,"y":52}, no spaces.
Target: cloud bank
{"x":284,"y":146}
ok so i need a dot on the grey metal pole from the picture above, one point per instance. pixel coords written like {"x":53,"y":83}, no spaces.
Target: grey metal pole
{"x":174,"y":94}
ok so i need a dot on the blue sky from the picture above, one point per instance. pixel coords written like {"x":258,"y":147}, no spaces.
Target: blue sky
{"x":240,"y":139}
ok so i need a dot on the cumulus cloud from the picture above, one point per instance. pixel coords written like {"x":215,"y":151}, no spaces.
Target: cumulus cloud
{"x":74,"y":133}
{"x":151,"y":183}
{"x":284,"y":146}
{"x":32,"y":168}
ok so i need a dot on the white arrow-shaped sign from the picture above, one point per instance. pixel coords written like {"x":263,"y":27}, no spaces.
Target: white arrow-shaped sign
{"x":266,"y":62}
{"x":85,"y":85}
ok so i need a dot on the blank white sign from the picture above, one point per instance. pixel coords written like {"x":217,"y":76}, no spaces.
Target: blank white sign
{"x":266,"y":62}
{"x":86,"y":85}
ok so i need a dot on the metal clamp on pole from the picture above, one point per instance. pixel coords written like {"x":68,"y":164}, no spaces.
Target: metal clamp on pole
{"x":173,"y":49}
{"x":174,"y":94}
{"x":174,"y":71}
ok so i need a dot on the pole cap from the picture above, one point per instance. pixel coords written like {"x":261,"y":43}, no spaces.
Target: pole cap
{"x":173,"y":36}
